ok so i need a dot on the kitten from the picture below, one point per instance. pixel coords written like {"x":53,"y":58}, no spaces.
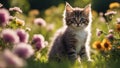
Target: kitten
{"x":72,"y":41}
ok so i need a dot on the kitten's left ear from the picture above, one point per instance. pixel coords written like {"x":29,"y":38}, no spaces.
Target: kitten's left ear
{"x":87,"y":9}
{"x":68,"y":7}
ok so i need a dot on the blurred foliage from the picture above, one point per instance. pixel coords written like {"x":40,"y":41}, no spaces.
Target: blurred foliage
{"x":52,"y":12}
{"x":102,"y":5}
{"x":6,"y":3}
{"x":23,"y":4}
{"x":43,"y":4}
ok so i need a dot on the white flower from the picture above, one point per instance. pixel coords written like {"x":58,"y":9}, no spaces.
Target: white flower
{"x":17,"y":9}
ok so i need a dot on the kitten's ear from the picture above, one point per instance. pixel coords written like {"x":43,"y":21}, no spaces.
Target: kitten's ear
{"x":68,"y":8}
{"x":87,"y":9}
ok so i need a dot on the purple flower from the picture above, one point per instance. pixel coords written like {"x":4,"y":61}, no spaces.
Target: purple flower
{"x":16,"y":9}
{"x":99,"y":32}
{"x":13,"y":60}
{"x":23,"y":36}
{"x":10,"y":36}
{"x":110,"y":36}
{"x":4,"y":17}
{"x":39,"y":45}
{"x":37,"y":38}
{"x":23,"y":50}
{"x":38,"y":41}
{"x":40,"y":21}
{"x":11,"y":18}
{"x":110,"y":13}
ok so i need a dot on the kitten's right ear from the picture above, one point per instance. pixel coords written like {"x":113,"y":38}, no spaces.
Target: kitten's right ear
{"x":68,"y":8}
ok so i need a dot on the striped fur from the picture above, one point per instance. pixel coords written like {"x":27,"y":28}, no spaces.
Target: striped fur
{"x":72,"y":41}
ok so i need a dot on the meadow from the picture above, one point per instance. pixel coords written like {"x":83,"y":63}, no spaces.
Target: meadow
{"x":25,"y":39}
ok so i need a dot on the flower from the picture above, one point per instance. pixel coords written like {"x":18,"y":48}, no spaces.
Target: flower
{"x":10,"y":36}
{"x":106,"y":44}
{"x":40,"y":21}
{"x":23,"y":36}
{"x":38,"y":46}
{"x":4,"y":17}
{"x":16,"y":9}
{"x":114,"y":5}
{"x":118,"y":20}
{"x":37,"y":38}
{"x":118,"y":27}
{"x":38,"y":41}
{"x":110,"y":13}
{"x":23,"y":50}
{"x":110,"y":37}
{"x":97,"y":45}
{"x":50,"y":27}
{"x":11,"y":18}
{"x":28,"y":29}
{"x":118,"y":47}
{"x":20,"y":22}
{"x":111,"y":31}
{"x":1,"y":5}
{"x":3,"y":64}
{"x":34,"y":12}
{"x":98,"y":32}
{"x":13,"y":60}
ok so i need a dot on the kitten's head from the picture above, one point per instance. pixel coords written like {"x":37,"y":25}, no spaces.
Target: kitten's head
{"x":77,"y":17}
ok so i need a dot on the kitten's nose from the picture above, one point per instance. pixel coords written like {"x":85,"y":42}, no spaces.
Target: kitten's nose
{"x":78,"y":24}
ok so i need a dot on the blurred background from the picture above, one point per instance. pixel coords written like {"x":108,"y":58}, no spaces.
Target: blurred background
{"x":51,"y":11}
{"x":26,"y":5}
{"x":48,"y":9}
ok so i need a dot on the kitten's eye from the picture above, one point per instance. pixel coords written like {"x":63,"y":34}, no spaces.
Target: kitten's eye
{"x":83,"y":20}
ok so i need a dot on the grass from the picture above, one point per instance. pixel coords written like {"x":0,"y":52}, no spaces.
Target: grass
{"x":53,"y":15}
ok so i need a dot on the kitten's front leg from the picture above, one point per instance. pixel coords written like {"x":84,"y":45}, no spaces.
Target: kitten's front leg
{"x":69,"y":42}
{"x":72,"y":55}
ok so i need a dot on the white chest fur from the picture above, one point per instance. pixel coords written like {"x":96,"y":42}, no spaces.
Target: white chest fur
{"x":81,"y":39}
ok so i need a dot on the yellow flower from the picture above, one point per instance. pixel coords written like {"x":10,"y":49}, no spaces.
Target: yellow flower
{"x":20,"y":22}
{"x":97,"y":45}
{"x":106,"y":44}
{"x":114,"y":5}
{"x":34,"y":12}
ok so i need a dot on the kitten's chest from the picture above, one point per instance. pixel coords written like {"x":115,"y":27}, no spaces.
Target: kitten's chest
{"x":81,"y":37}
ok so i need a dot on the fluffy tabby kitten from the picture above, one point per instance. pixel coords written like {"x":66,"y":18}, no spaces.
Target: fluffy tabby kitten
{"x":72,"y":41}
